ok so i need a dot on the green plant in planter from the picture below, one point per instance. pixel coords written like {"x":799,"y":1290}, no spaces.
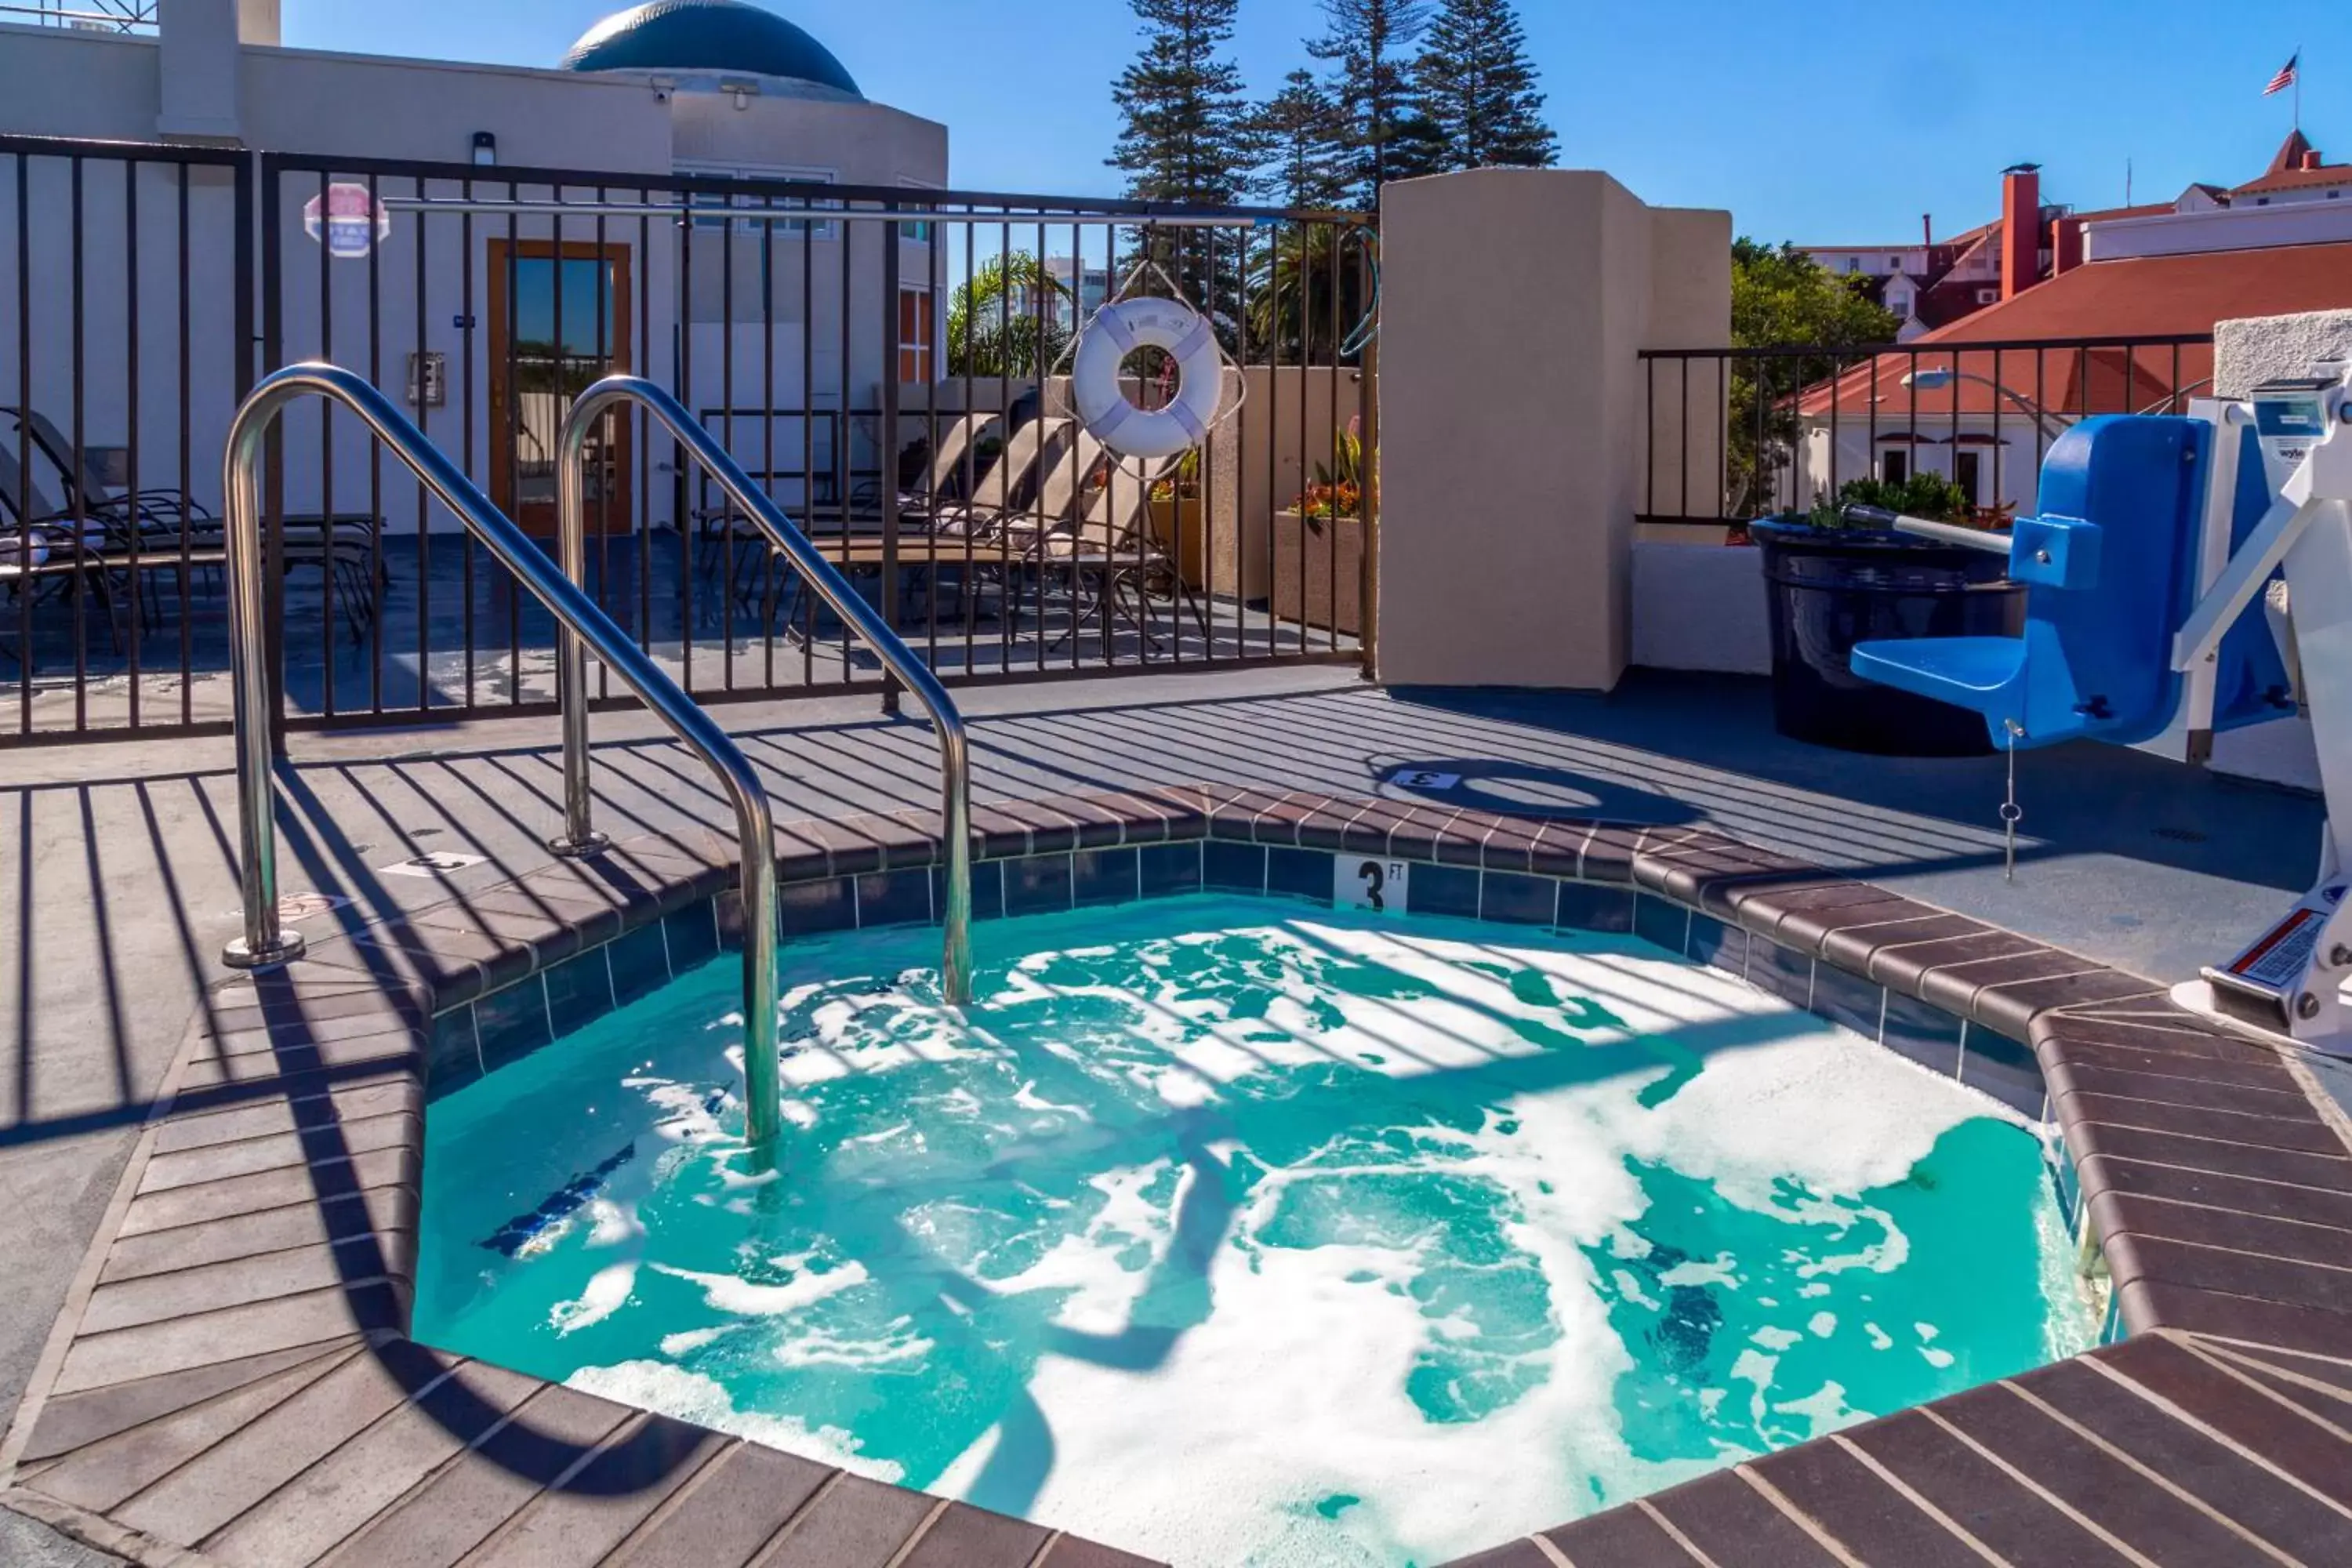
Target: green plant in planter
{"x":1185,"y":480}
{"x":1927,"y":495}
{"x":1338,"y":488}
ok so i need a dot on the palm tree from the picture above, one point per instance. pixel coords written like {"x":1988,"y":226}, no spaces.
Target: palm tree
{"x":1008,"y":318}
{"x":1308,"y":294}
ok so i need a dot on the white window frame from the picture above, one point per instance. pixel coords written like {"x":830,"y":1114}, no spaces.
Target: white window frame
{"x":824,"y":231}
{"x":929,"y":352}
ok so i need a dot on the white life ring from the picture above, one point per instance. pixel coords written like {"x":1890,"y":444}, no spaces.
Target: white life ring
{"x":1117,"y":331}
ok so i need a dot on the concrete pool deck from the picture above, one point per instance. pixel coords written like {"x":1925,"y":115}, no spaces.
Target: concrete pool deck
{"x":124,"y":888}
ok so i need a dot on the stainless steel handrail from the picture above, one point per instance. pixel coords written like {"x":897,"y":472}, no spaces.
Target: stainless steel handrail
{"x":264,"y":943}
{"x":570,"y":664}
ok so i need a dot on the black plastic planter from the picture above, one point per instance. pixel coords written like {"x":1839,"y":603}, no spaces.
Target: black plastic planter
{"x":1831,"y":588}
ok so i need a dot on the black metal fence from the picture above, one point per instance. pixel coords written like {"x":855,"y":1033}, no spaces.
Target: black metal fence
{"x":1734,"y":434}
{"x":126,"y":333}
{"x":889,"y":363}
{"x":895,"y":381}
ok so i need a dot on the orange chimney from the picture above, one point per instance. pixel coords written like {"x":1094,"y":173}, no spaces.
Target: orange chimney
{"x":2020,"y":228}
{"x":2066,"y":245}
{"x":2311,"y":159}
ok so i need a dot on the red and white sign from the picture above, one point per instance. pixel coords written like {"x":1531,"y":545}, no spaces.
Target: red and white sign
{"x":349,"y":228}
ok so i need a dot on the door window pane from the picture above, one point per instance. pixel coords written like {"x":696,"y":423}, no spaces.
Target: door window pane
{"x":564,"y":339}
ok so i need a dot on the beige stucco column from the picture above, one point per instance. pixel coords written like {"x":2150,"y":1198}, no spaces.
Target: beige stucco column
{"x":1513,"y":434}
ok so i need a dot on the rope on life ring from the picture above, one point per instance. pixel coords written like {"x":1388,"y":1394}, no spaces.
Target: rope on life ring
{"x":1118,"y":331}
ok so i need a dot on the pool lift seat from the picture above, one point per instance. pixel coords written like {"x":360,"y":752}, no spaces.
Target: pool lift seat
{"x":2110,"y":568}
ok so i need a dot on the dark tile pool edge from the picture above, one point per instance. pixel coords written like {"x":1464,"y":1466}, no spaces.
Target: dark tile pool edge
{"x":260,"y":1260}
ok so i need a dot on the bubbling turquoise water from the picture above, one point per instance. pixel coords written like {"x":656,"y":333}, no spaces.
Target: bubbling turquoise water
{"x":1235,"y":1231}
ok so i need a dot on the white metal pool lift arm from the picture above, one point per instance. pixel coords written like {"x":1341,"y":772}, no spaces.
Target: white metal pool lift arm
{"x":2296,"y":969}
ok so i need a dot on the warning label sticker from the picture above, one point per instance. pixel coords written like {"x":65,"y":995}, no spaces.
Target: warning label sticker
{"x":2278,"y":958}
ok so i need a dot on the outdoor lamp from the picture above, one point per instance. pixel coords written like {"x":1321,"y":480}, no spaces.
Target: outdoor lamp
{"x":1937,"y":378}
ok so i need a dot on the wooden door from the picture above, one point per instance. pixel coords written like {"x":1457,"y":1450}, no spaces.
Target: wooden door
{"x":559,"y":320}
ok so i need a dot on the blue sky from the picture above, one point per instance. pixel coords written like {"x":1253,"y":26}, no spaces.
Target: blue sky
{"x":1838,"y":122}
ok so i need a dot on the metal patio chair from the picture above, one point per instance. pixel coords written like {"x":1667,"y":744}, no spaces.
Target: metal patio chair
{"x":1112,"y":559}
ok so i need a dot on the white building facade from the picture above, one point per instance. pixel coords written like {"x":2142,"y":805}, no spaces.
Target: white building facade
{"x":782,"y":335}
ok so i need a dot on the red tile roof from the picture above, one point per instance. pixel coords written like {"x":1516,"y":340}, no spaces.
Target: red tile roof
{"x":2156,"y":296}
{"x":2296,"y":179}
{"x":2287,"y":170}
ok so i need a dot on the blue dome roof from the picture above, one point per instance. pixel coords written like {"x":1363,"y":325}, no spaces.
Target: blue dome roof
{"x":707,"y":36}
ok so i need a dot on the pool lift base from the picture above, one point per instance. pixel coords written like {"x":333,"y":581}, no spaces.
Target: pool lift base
{"x":2249,"y":1016}
{"x":2158,"y":534}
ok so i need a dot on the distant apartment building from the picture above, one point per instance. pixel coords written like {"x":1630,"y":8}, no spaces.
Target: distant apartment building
{"x":1085,"y":286}
{"x":1929,"y":284}
{"x":2113,"y":292}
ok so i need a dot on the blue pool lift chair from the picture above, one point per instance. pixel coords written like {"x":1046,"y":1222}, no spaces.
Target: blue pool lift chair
{"x":2112,"y":569}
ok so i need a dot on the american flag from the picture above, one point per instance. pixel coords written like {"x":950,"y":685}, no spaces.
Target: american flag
{"x":2285,"y":78}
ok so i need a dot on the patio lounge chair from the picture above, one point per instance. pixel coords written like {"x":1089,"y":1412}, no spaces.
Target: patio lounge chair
{"x":38,"y":547}
{"x":1098,"y":538}
{"x":966,"y":534}
{"x":160,"y":511}
{"x":1010,"y":481}
{"x":947,"y":478}
{"x":1111,"y":557}
{"x":157,"y":509}
{"x":984,"y":539}
{"x":944,"y":481}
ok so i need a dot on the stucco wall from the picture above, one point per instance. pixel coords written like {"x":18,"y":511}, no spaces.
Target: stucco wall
{"x":1700,"y":607}
{"x":1513,"y":418}
{"x":2246,"y":353}
{"x":56,"y":82}
{"x":869,"y":144}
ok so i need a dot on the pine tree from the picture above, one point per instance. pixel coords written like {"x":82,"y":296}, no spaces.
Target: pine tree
{"x":1475,"y":103}
{"x":1366,"y":42}
{"x":1185,"y":134}
{"x":1300,"y":138}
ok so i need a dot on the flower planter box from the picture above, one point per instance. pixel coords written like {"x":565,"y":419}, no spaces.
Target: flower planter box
{"x":1310,"y":554}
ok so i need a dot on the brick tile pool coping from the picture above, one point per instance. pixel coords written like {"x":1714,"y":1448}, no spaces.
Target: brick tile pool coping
{"x":232,"y":1380}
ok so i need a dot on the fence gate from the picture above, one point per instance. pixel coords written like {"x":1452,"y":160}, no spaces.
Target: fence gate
{"x":126,"y":336}
{"x":888,"y":363}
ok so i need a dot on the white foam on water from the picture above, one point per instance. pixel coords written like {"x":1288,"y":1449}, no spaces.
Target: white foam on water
{"x":687,"y":1343}
{"x":817,"y":1348}
{"x":726,"y":1293}
{"x":690,"y":1396}
{"x":1825,"y":1408}
{"x":607,"y":1292}
{"x":1027,"y":1098}
{"x":1294,"y":1391}
{"x":1098,"y":1269}
{"x":1295,"y":1387}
